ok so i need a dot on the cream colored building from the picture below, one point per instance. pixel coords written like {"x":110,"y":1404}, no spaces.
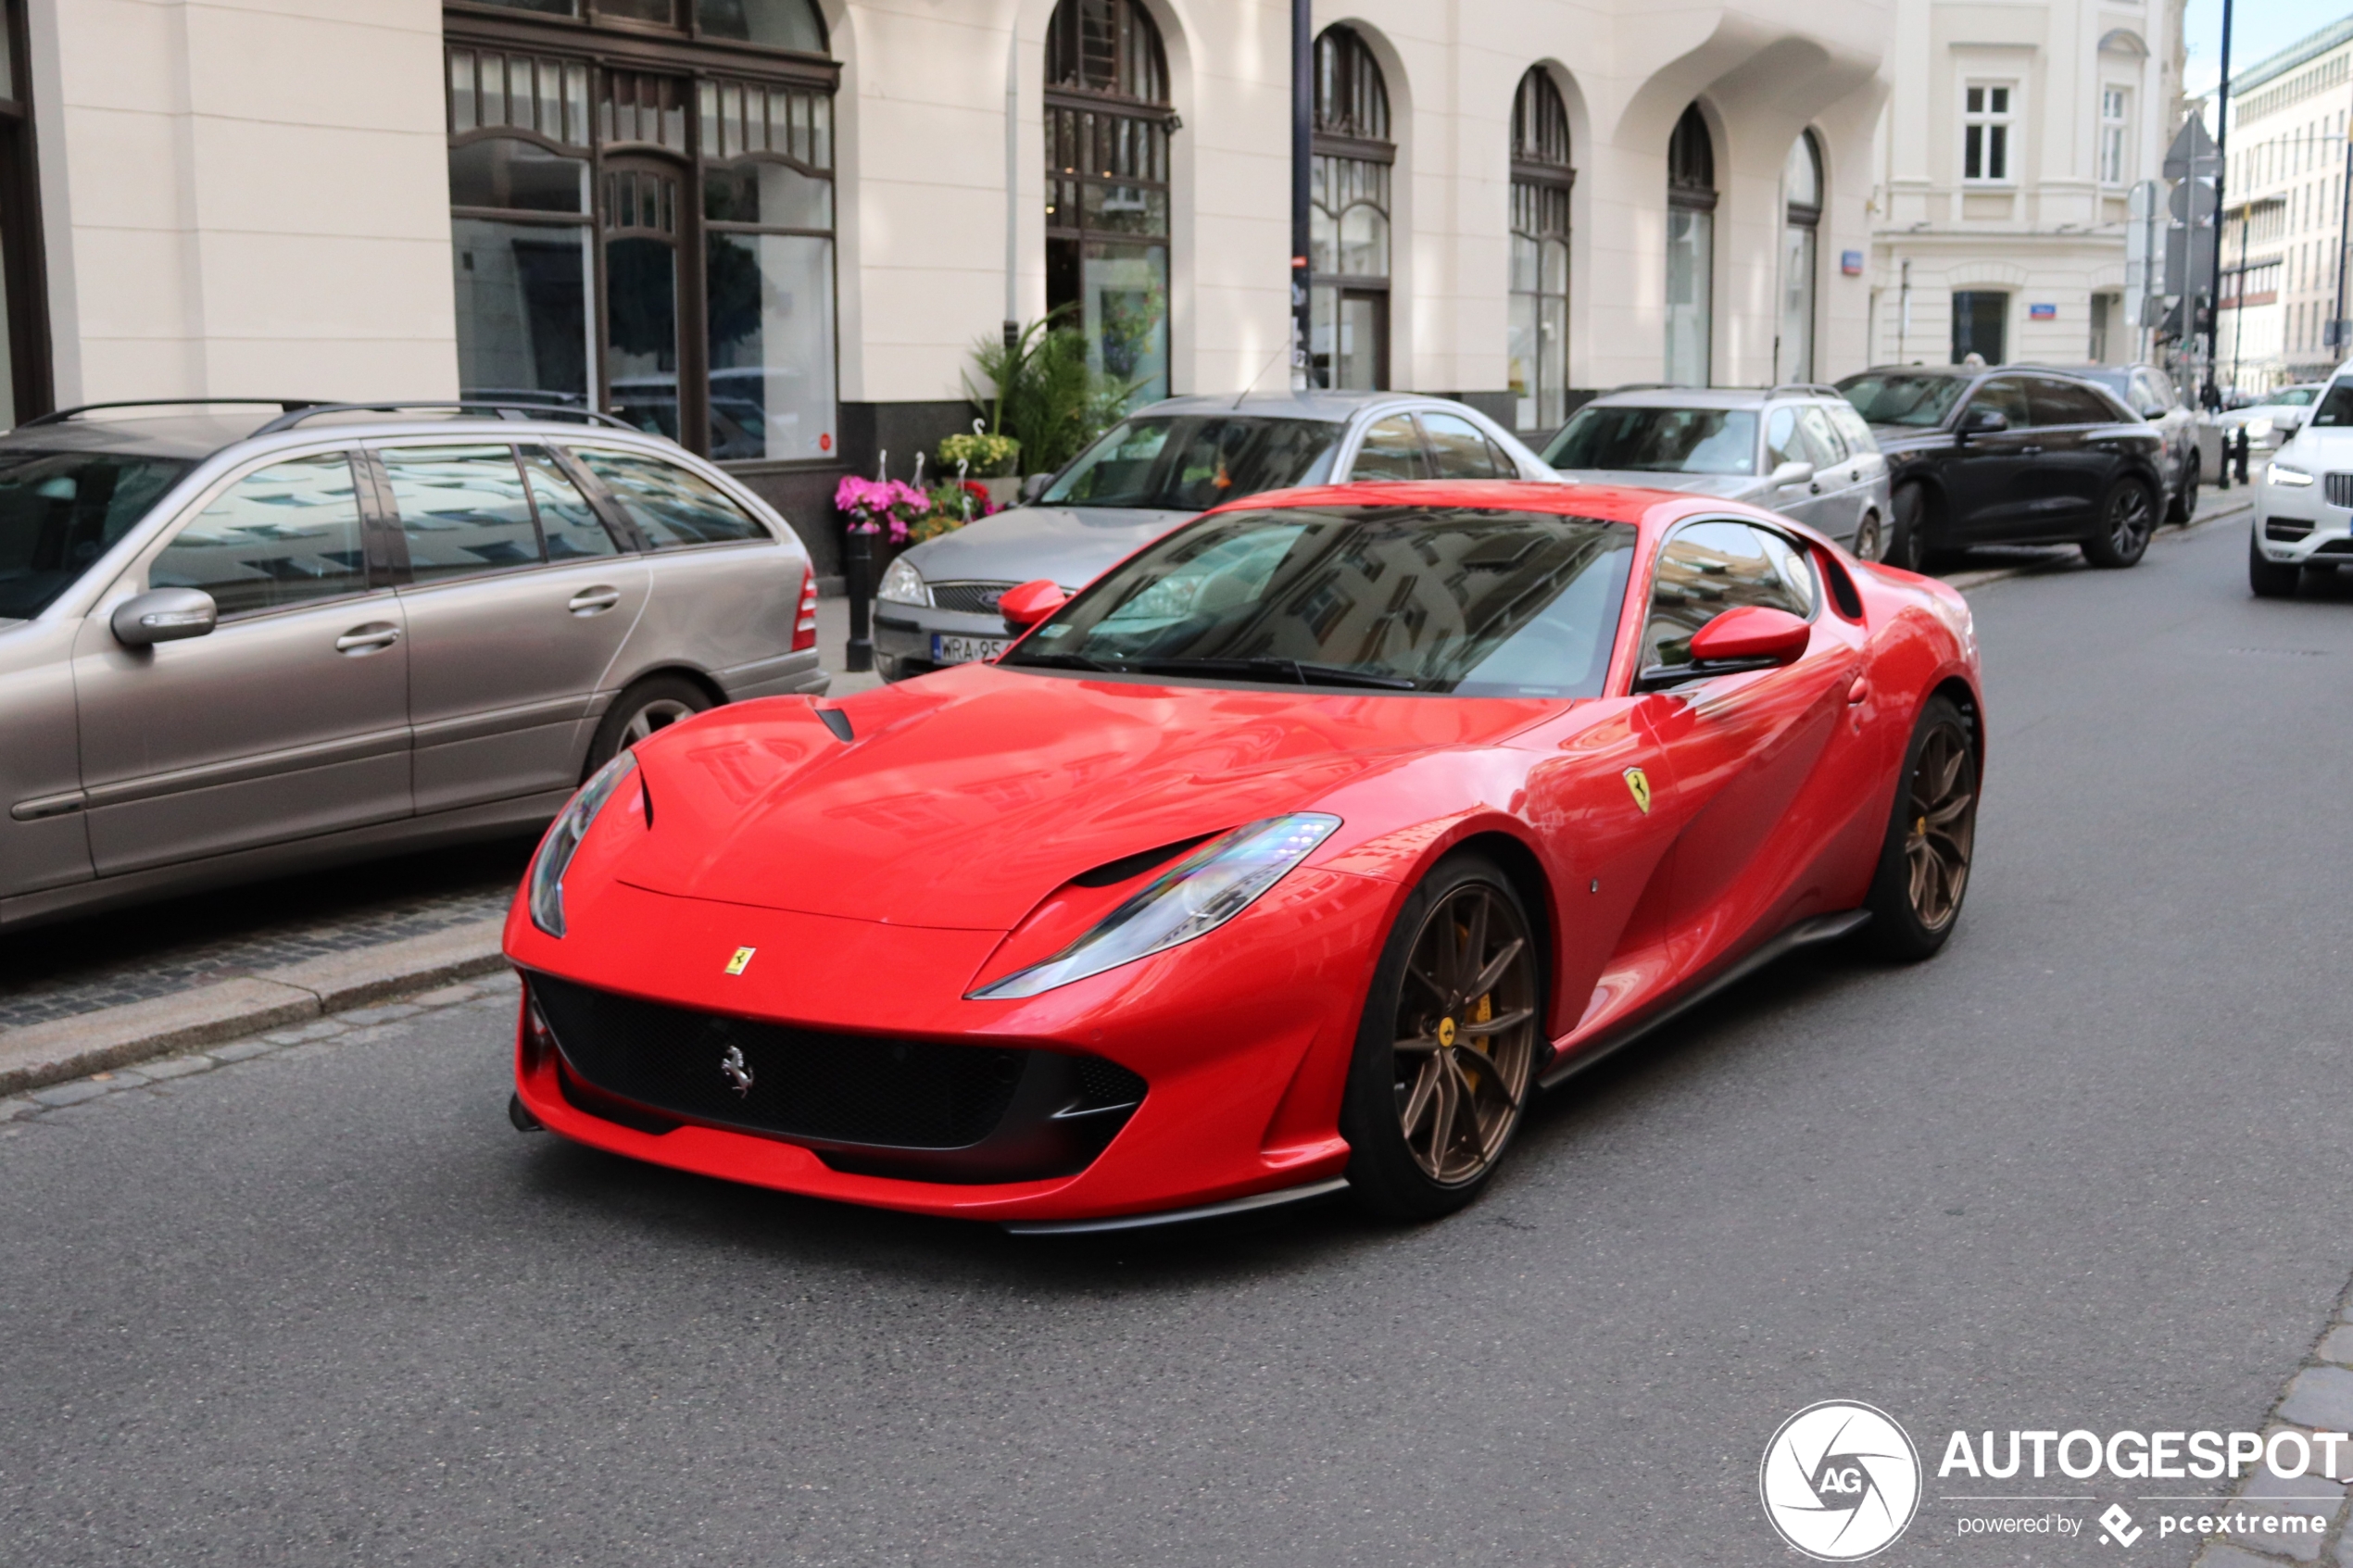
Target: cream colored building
{"x":775,"y":227}
{"x":2004,"y":164}
{"x":2284,"y":192}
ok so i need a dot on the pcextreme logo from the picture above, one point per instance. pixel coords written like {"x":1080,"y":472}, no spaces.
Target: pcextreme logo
{"x":1840,"y":1481}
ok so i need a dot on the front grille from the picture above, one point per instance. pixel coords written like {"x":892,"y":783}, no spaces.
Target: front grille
{"x":969,"y":598}
{"x":919,"y":1109}
{"x":2340,"y":488}
{"x":2286,"y":529}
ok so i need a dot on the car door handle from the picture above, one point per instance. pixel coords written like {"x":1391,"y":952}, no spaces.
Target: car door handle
{"x":368,"y":639}
{"x":592,"y":601}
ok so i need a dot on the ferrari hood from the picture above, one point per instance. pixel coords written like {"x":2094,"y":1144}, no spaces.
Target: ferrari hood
{"x":1071,"y":545}
{"x":963,"y":799}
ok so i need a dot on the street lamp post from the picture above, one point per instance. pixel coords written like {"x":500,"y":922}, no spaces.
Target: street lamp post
{"x":2221,"y":174}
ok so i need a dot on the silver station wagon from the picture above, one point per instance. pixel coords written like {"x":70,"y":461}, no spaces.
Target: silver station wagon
{"x":234,"y":646}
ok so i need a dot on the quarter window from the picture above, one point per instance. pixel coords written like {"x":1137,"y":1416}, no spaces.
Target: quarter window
{"x":282,"y":536}
{"x":1709,"y":568}
{"x":1391,"y":450}
{"x":1462,"y":450}
{"x":672,"y":506}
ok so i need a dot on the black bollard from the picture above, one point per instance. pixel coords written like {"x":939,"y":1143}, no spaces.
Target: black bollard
{"x":2243,"y":445}
{"x":858,"y":564}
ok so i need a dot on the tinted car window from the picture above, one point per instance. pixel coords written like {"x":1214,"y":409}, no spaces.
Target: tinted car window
{"x":2335,"y":407}
{"x":1191,"y":462}
{"x":1709,"y":568}
{"x":1892,"y":398}
{"x":1656,"y":440}
{"x":281,"y":535}
{"x":1474,"y":602}
{"x":463,"y":509}
{"x":1859,"y":440}
{"x":1391,"y":449}
{"x":566,"y":521}
{"x":1823,"y":447}
{"x":1782,"y":445}
{"x":2056,"y":402}
{"x":61,"y":510}
{"x":1462,"y":450}
{"x":2005,"y":395}
{"x":672,"y":506}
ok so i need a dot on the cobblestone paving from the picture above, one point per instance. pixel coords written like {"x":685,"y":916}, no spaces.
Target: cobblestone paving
{"x":107,"y":960}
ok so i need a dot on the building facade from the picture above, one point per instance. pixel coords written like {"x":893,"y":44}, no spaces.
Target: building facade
{"x":2284,"y":230}
{"x":776,"y":228}
{"x":2003,"y":166}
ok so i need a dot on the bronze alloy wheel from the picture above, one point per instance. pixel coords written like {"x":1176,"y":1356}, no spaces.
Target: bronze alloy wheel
{"x":1942,"y":826}
{"x":1465,"y":1033}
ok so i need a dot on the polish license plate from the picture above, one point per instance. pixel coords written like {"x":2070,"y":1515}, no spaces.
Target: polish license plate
{"x":946,"y":648}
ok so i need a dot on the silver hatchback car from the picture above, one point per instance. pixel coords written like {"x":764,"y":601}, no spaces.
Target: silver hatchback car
{"x":1799,"y":449}
{"x":232,"y":647}
{"x":937,"y":604}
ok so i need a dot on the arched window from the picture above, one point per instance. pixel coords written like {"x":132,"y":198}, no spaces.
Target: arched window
{"x":1691,"y":249}
{"x":1801,"y":222}
{"x":652,"y":238}
{"x":1107,"y":128}
{"x":1348,"y":236}
{"x":1540,"y":180}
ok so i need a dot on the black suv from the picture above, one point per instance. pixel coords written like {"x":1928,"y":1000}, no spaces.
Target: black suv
{"x":2010,"y":455}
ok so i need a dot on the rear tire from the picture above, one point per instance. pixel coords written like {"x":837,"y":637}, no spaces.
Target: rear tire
{"x":2270,"y":579}
{"x":1907,"y":537}
{"x":2185,"y":498}
{"x":1430,"y":1106}
{"x":653,"y":704}
{"x":1931,"y":838}
{"x":2128,"y":516}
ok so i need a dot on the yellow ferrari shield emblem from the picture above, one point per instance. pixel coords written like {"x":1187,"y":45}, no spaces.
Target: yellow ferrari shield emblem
{"x":743,"y":957}
{"x":1639,"y":783}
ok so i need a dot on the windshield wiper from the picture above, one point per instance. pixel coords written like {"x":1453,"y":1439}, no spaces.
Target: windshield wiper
{"x":1270,"y":669}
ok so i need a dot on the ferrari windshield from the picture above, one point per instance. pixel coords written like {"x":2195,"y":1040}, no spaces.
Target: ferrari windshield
{"x":1653,"y":440}
{"x":1884,"y":398}
{"x":61,"y":510}
{"x":1473,"y":602}
{"x":1191,"y":462}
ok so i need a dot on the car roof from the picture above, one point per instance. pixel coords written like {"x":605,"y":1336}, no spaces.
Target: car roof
{"x":1714,"y":397}
{"x":1314,"y":403}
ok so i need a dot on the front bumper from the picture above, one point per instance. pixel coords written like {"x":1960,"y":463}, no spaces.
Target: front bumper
{"x":2298,"y":527}
{"x":1241,"y":1040}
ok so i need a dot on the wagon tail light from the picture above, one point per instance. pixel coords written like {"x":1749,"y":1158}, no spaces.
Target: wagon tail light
{"x":547,"y":880}
{"x":804,"y":626}
{"x":1193,"y":897}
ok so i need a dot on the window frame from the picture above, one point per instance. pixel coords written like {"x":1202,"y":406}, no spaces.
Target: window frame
{"x":587,"y":17}
{"x":1544,"y":187}
{"x":2116,"y":136}
{"x":1342,"y":143}
{"x":383,"y":561}
{"x":1996,"y":128}
{"x":1802,"y":548}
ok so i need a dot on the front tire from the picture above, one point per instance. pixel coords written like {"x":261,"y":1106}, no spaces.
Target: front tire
{"x":2128,"y":517}
{"x":1446,"y":1054}
{"x":1907,"y":540}
{"x":1931,"y":838}
{"x":2269,"y":579}
{"x":653,"y":704}
{"x":2185,"y":498}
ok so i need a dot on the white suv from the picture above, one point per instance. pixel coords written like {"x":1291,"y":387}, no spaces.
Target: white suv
{"x":2304,"y":502}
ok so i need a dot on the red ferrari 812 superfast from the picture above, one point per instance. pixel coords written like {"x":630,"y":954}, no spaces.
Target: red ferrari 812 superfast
{"x":1295,"y":853}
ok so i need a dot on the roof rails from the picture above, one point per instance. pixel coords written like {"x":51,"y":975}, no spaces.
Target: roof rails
{"x":1806,"y":388}
{"x":1646,"y":386}
{"x":59,"y":416}
{"x":297,"y":413}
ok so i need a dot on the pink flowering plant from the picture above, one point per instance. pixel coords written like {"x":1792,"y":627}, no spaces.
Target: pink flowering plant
{"x":873,"y":504}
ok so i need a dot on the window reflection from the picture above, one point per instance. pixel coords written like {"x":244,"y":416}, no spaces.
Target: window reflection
{"x":281,"y":535}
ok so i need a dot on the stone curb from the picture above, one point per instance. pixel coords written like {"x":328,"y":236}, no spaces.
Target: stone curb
{"x":49,"y":1053}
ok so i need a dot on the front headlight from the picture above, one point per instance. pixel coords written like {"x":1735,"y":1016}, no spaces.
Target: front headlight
{"x":1196,"y":895}
{"x":902,"y":584}
{"x":2258,"y":429}
{"x":563,"y":838}
{"x":2286,"y":477}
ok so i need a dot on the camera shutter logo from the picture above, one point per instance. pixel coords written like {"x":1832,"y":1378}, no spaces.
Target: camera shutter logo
{"x":1840,"y":1481}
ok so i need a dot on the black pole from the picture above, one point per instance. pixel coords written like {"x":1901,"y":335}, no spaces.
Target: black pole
{"x":1302,"y":154}
{"x":2221,"y":173}
{"x":858,"y":564}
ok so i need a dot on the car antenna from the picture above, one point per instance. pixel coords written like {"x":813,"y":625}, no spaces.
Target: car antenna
{"x":1246,"y":391}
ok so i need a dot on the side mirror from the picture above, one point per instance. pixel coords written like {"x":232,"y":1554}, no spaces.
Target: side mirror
{"x":1751,"y":638}
{"x":1026,"y":606}
{"x":1984,"y":421}
{"x":1033,"y":486}
{"x":1791,"y":472}
{"x":163,"y":615}
{"x":2153,"y":413}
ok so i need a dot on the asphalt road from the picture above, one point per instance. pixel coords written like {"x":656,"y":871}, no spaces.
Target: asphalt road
{"x":2086,"y":1168}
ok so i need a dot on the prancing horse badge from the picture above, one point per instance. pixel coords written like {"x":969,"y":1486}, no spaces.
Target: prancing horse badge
{"x":743,"y":955}
{"x":1636,"y":780}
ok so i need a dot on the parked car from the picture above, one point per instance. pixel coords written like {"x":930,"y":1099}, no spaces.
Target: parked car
{"x":2304,"y":499}
{"x":2271,"y":419}
{"x":1981,"y":456}
{"x":232,"y":647}
{"x":937,"y":604}
{"x":1800,"y":450}
{"x":2148,"y":391}
{"x":1295,"y":854}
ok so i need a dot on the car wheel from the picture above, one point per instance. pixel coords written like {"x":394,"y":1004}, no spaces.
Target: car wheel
{"x":654,"y":703}
{"x":1446,"y":1054}
{"x":1924,"y":865}
{"x":1907,"y":541}
{"x":2128,"y":517}
{"x":2269,"y":579}
{"x":1871,"y":538}
{"x":2185,"y":498}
